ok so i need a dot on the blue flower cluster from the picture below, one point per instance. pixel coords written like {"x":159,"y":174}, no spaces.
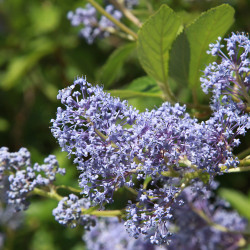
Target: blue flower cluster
{"x":95,"y":131}
{"x":229,"y":80}
{"x":93,"y":26}
{"x":23,"y":177}
{"x":205,"y":221}
{"x":229,"y":83}
{"x":9,"y":219}
{"x":191,"y":229}
{"x":69,"y":212}
{"x":109,"y":233}
{"x":113,"y":145}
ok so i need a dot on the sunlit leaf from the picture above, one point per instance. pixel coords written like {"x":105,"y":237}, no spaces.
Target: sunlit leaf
{"x":237,"y":200}
{"x":203,"y":31}
{"x":154,"y":41}
{"x":115,"y":62}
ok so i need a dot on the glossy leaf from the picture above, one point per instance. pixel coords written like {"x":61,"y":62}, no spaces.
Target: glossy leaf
{"x":20,"y":65}
{"x":203,"y":31}
{"x":144,"y":84}
{"x":127,"y":94}
{"x":154,"y":41}
{"x":179,"y":60}
{"x":237,"y":200}
{"x":115,"y":62}
{"x":142,"y":93}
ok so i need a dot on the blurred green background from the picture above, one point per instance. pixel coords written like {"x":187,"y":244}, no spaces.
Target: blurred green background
{"x":40,"y":53}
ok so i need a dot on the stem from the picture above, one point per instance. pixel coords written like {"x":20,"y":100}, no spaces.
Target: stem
{"x":127,"y":13}
{"x":112,"y":19}
{"x":167,"y":93}
{"x":106,"y":213}
{"x":75,"y":190}
{"x":146,"y":182}
{"x":52,"y":194}
{"x":123,"y":35}
{"x":244,"y":166}
{"x":170,"y":174}
{"x":218,"y":226}
{"x":210,"y":222}
{"x":245,"y":161}
{"x":239,"y":169}
{"x":195,"y":98}
{"x":183,"y":185}
{"x":114,"y":31}
{"x":131,"y":190}
{"x":244,"y":153}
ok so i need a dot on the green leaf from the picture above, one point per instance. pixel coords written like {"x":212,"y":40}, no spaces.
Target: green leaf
{"x":144,"y":84}
{"x":237,"y":200}
{"x":127,"y":94}
{"x":141,"y":87}
{"x":142,"y":93}
{"x":20,"y":65}
{"x":41,"y":209}
{"x":115,"y":62}
{"x":43,"y":240}
{"x":44,"y":18}
{"x":179,"y":60}
{"x":154,"y":41}
{"x":203,"y":31}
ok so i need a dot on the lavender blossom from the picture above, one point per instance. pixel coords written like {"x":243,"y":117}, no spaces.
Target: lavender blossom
{"x":23,"y":177}
{"x":110,"y":234}
{"x":229,"y":84}
{"x":9,"y":219}
{"x":161,"y":137}
{"x":69,"y":212}
{"x":192,"y":231}
{"x":16,"y":161}
{"x":211,"y":142}
{"x":189,"y":229}
{"x":151,"y":220}
{"x":111,"y":143}
{"x":94,"y":27}
{"x":96,"y":131}
{"x":46,"y":173}
{"x":231,"y":77}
